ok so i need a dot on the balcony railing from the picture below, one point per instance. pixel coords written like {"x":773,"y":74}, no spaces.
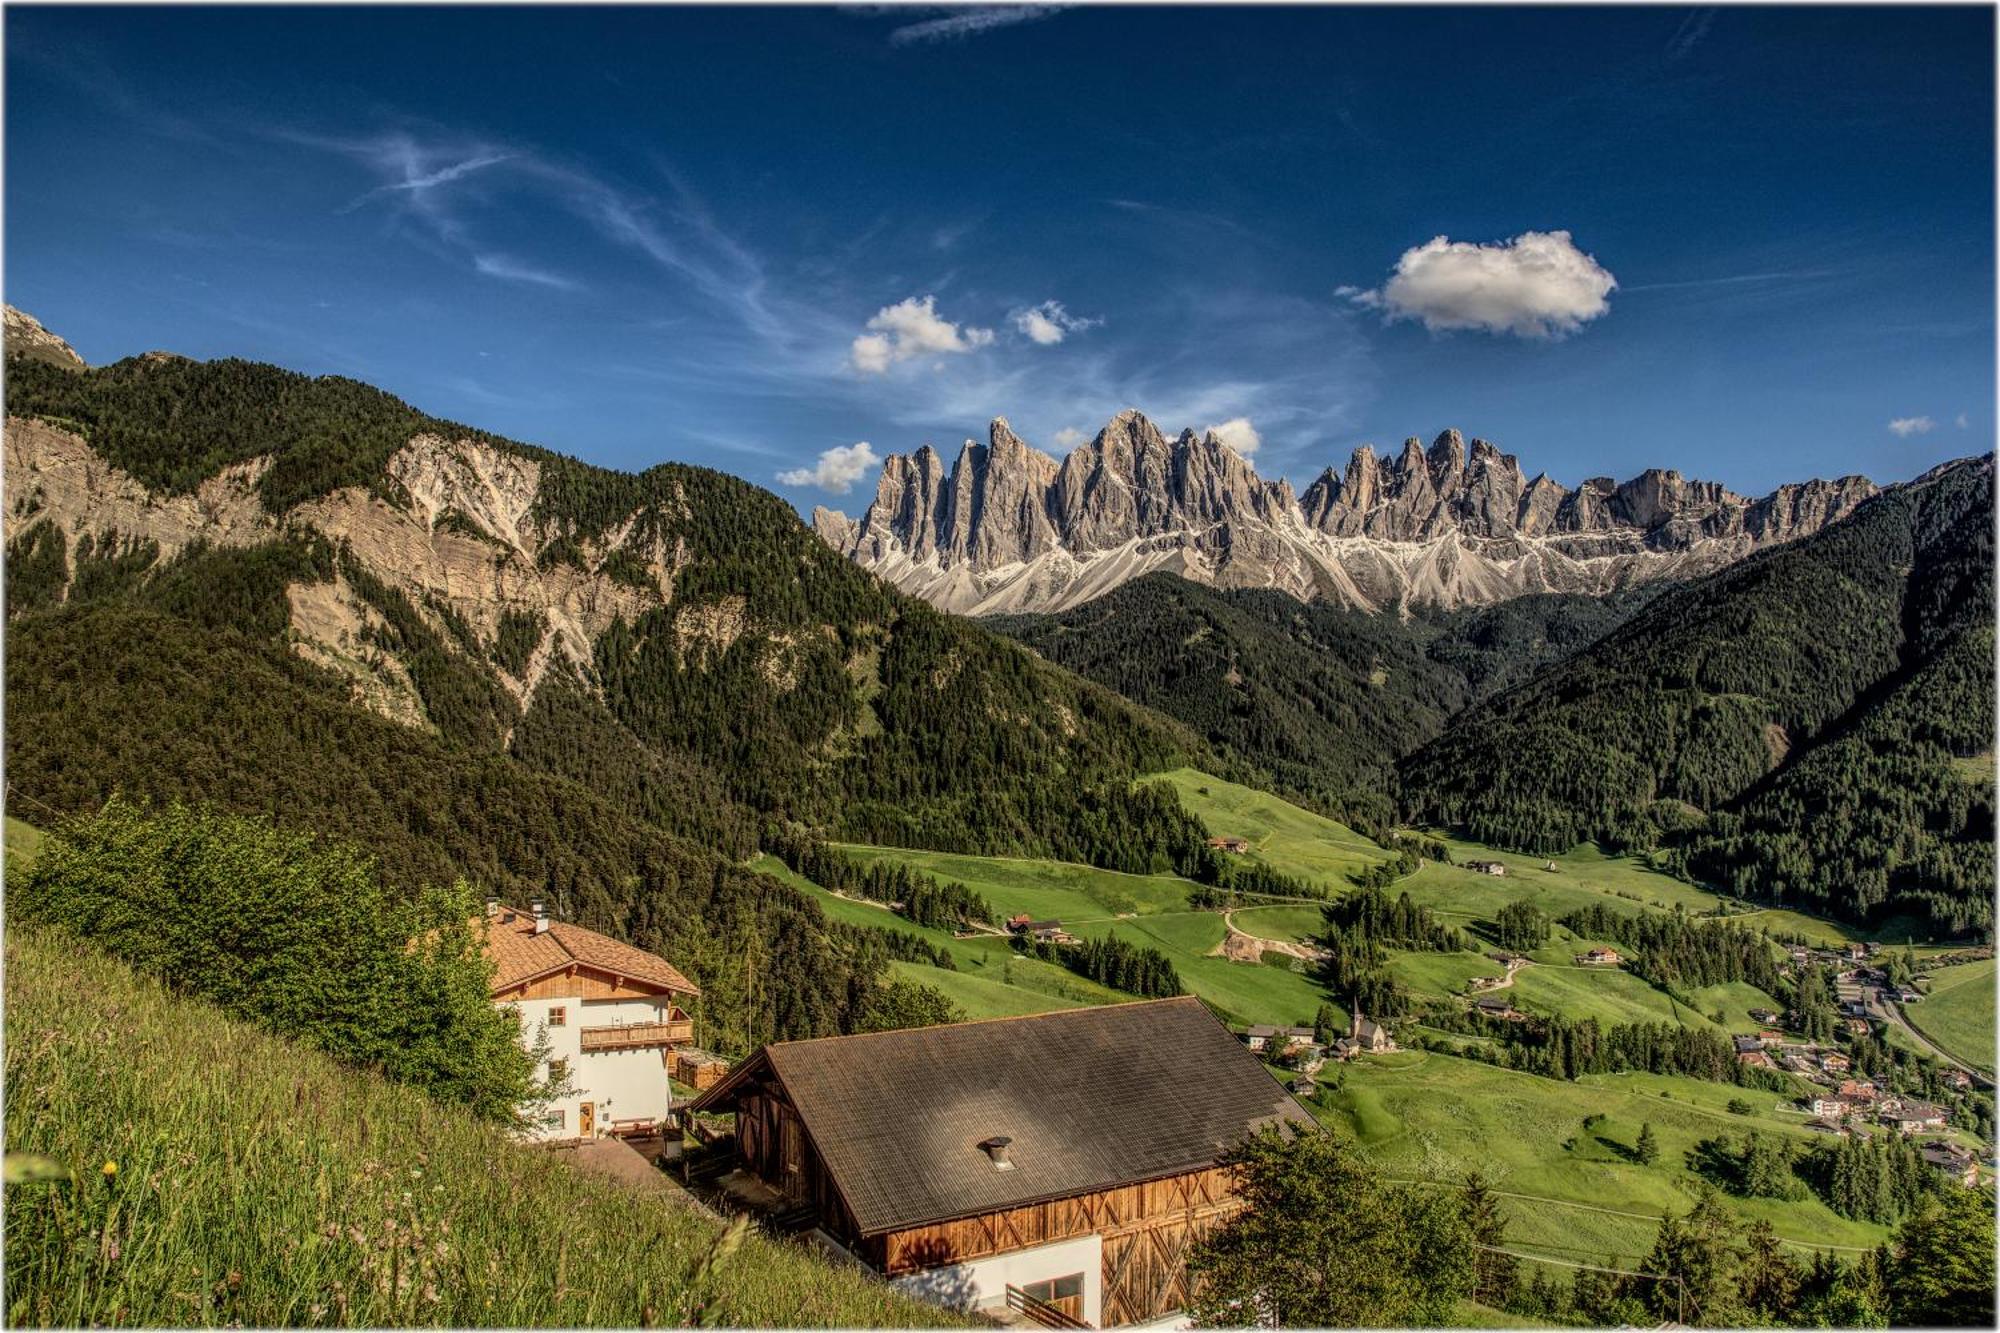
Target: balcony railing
{"x":1040,"y":1311}
{"x":675,"y":1028}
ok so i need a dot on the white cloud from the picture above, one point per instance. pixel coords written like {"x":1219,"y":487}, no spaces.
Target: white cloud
{"x":1963,"y":424}
{"x":1538,"y":285}
{"x":911,"y":328}
{"x":1069,"y":437}
{"x":1049,"y":323}
{"x":1238,"y":434}
{"x":500,"y":266}
{"x":837,"y":470}
{"x":1908,"y":426}
{"x":969,"y":22}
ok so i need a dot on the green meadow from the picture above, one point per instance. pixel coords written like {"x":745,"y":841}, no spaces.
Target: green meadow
{"x":23,"y":842}
{"x":1281,"y":835}
{"x":1426,"y":1116}
{"x":1957,"y":1012}
{"x":1572,"y":1194}
{"x":1059,"y":890}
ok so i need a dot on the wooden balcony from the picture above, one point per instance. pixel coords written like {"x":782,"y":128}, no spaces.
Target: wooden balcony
{"x":676,"y":1028}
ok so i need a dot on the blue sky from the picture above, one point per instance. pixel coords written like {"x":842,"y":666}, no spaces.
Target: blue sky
{"x":1752,"y":244}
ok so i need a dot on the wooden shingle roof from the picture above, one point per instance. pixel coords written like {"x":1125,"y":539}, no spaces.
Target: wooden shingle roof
{"x":1091,"y":1099}
{"x":520,"y":955}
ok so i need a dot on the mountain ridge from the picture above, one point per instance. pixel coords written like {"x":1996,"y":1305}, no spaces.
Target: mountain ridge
{"x":1008,"y":528}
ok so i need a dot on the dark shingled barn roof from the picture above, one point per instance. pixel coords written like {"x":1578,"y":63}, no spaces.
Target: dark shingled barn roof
{"x":1091,"y":1098}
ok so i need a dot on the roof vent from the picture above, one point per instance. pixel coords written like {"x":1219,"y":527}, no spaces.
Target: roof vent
{"x":996,"y":1148}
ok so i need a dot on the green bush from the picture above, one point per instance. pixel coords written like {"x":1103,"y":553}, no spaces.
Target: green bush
{"x":293,"y":932}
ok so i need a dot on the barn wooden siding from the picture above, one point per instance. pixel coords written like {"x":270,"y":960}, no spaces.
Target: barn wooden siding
{"x":772,"y":1143}
{"x":1147,"y":1230}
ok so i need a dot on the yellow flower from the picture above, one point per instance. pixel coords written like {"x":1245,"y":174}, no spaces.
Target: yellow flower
{"x":110,"y":1170}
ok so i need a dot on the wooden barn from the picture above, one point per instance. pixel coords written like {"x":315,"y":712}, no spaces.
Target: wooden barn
{"x":1061,"y":1163}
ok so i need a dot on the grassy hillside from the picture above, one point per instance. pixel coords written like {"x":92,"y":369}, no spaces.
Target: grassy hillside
{"x":1957,"y":1012}
{"x":1424,"y":1115}
{"x":1789,"y":724}
{"x":24,"y":840}
{"x":1147,"y":910}
{"x":1281,"y":835}
{"x":224,"y":1177}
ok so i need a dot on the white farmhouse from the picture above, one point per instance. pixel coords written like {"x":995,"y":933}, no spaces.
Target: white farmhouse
{"x":609,"y":1010}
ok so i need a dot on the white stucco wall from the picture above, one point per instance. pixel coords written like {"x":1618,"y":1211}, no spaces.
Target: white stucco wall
{"x":984,"y":1282}
{"x":621,"y":1085}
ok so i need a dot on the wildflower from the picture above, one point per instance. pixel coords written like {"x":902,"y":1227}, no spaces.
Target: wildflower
{"x":110,"y":1170}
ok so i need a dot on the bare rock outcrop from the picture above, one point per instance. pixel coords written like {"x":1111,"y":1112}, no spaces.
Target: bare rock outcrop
{"x":1009,"y":528}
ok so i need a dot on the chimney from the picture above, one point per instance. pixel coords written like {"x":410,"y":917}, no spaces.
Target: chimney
{"x":492,"y":906}
{"x":541,"y":916}
{"x":996,"y":1148}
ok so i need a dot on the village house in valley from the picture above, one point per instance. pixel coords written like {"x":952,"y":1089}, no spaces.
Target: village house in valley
{"x":611,"y":1013}
{"x":1064,"y":1160}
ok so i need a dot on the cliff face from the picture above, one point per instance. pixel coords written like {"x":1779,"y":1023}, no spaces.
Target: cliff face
{"x":479,"y":564}
{"x":1008,"y":528}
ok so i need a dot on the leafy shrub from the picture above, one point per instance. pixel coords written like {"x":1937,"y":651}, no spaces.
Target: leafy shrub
{"x":293,"y":932}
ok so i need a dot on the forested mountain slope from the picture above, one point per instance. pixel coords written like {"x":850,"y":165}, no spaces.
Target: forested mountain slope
{"x":234,"y":584}
{"x":1788,"y":725}
{"x":1322,"y":697}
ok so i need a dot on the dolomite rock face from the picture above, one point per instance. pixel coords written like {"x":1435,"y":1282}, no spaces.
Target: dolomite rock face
{"x":1009,"y":528}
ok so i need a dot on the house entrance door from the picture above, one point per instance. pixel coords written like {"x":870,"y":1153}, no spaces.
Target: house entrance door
{"x":586,"y":1120}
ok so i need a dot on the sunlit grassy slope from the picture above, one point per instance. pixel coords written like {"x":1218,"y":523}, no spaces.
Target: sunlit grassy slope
{"x":224,"y":1177}
{"x":1957,"y":1012}
{"x":1423,"y":1115}
{"x":1150,"y":910}
{"x":24,"y":842}
{"x":1432,"y":1115}
{"x":1281,"y":835}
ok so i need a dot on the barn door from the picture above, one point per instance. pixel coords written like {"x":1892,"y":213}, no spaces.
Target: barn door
{"x":792,"y":1148}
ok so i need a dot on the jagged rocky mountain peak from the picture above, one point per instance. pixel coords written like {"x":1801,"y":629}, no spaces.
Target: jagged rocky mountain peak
{"x":1455,"y":522}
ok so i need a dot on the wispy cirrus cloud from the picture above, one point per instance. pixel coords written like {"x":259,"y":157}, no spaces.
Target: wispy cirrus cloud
{"x":495,"y":265}
{"x":1049,"y":323}
{"x":961,"y":24}
{"x":1688,"y":36}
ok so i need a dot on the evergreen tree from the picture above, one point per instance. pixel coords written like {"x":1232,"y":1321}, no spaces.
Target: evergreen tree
{"x":1494,"y":1274}
{"x":1940,"y":1273}
{"x":1647,"y":1149}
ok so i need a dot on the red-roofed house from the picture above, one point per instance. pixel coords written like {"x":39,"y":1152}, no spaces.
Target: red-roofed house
{"x":610,"y":1012}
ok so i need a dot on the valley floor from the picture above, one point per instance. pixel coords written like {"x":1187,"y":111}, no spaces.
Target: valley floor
{"x":1571,"y":1194}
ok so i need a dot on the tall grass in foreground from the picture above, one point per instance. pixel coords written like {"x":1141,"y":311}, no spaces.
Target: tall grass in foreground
{"x":224,"y":1176}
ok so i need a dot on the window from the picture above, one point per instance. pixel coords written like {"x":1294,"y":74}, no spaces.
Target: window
{"x":1056,"y":1288}
{"x":554,"y":1120}
{"x":558,"y":1015}
{"x":558,"y":1071}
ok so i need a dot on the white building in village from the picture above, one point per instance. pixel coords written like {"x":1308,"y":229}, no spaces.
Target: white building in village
{"x":610,"y":1012}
